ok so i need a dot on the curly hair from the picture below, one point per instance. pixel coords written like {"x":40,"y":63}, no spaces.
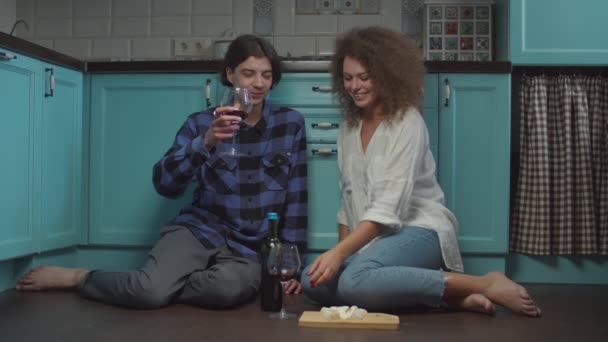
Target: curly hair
{"x":394,"y":64}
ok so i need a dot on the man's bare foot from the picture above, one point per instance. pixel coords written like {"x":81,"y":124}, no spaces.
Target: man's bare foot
{"x":506,"y":292}
{"x":51,"y":278}
{"x":475,"y":302}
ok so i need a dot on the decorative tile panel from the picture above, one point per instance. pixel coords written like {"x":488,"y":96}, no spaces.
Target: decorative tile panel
{"x":458,"y":31}
{"x":262,"y":8}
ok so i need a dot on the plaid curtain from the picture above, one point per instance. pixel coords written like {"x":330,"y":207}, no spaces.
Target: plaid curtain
{"x":561,"y":198}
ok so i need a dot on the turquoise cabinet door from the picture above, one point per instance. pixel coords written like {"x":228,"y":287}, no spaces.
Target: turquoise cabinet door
{"x":61,"y":162}
{"x":310,"y":94}
{"x":134,"y":119}
{"x":474,"y":155}
{"x":323,"y":196}
{"x":19,"y":96}
{"x":558,"y":32}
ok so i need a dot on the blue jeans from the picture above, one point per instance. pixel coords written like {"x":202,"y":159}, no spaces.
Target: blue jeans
{"x":399,"y":270}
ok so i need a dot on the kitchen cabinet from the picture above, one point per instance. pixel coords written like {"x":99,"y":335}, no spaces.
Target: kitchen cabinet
{"x":474,"y":157}
{"x":309,"y":93}
{"x":42,"y":135}
{"x":134,"y":119}
{"x":558,"y":32}
{"x":61,"y":158}
{"x":20,"y":91}
{"x":469,"y":137}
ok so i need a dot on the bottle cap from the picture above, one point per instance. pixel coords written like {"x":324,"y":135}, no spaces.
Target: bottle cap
{"x":273,"y":216}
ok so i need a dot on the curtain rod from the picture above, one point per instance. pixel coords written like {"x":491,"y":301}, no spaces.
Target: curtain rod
{"x":559,"y":70}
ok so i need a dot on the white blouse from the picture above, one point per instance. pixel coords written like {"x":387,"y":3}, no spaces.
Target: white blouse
{"x":393,"y":182}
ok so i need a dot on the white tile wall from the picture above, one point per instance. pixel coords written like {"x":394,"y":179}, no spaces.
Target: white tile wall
{"x":112,"y":48}
{"x":130,"y":8}
{"x":242,"y":16}
{"x":284,"y":17}
{"x":91,"y":27}
{"x":146,"y":29}
{"x":325,"y":45}
{"x":130,"y":27}
{"x":170,"y":7}
{"x":91,"y":8}
{"x":295,"y":45}
{"x":53,"y":28}
{"x":25,"y":11}
{"x":170,"y":26}
{"x":212,"y":7}
{"x":54,"y":9}
{"x":316,"y":24}
{"x":80,"y":48}
{"x":151,"y":49}
{"x":347,"y":22}
{"x":8,"y":15}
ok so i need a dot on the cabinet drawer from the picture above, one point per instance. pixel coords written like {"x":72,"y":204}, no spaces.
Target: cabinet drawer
{"x":297,"y":90}
{"x":322,"y":124}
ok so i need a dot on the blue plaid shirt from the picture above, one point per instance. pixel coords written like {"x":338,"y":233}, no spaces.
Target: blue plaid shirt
{"x":234,"y":194}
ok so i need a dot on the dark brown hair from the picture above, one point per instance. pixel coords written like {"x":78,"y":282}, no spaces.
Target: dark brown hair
{"x":394,"y":64}
{"x":248,"y":45}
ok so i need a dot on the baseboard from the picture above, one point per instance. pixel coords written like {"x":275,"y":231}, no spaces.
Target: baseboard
{"x":577,"y":269}
{"x":519,"y":267}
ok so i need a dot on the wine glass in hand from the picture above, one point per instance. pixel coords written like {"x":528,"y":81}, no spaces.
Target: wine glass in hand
{"x":239,"y":99}
{"x":284,"y":263}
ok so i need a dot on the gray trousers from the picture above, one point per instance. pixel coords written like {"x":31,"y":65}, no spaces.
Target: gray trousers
{"x":180,"y":270}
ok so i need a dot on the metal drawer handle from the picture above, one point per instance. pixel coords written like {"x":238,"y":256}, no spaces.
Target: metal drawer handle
{"x":7,"y":56}
{"x":447,"y":93}
{"x":51,"y":82}
{"x":322,"y":89}
{"x":325,"y":125}
{"x":208,"y":92}
{"x":324,"y":151}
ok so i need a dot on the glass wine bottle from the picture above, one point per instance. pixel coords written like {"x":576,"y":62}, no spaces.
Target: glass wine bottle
{"x":271,"y":289}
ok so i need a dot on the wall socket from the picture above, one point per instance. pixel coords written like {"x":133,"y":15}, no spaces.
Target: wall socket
{"x":199,"y":47}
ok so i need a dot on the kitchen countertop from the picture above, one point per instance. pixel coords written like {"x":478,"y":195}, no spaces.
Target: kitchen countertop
{"x":293,"y":64}
{"x":25,"y":47}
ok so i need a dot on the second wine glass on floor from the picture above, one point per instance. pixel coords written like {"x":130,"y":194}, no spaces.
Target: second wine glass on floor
{"x":284,"y":263}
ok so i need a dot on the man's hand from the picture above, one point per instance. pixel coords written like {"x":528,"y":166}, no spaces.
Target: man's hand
{"x":223,"y":126}
{"x":325,"y":267}
{"x":293,"y":286}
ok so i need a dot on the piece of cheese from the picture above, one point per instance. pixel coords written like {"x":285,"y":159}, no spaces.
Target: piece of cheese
{"x":343,"y":313}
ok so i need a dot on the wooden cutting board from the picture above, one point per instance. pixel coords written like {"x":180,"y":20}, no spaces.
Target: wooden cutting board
{"x":375,"y":321}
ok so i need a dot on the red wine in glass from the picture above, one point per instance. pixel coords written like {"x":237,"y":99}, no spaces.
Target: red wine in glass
{"x":239,"y":98}
{"x":240,"y":113}
{"x":243,"y":114}
{"x":286,"y":274}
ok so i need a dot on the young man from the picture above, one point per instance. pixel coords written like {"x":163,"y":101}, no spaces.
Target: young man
{"x":207,"y":256}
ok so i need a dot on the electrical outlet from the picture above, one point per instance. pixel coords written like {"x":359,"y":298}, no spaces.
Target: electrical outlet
{"x":198,"y":47}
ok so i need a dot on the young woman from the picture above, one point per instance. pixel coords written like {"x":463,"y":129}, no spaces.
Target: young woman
{"x":397,"y":241}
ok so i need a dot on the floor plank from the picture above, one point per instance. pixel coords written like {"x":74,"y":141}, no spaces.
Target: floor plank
{"x":570,"y":313}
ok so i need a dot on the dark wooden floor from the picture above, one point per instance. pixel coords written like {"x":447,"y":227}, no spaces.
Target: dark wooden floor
{"x":571,"y":313}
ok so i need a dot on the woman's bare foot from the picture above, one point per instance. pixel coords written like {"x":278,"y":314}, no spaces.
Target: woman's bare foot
{"x":51,"y":278}
{"x":504,"y":291}
{"x":475,"y":302}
